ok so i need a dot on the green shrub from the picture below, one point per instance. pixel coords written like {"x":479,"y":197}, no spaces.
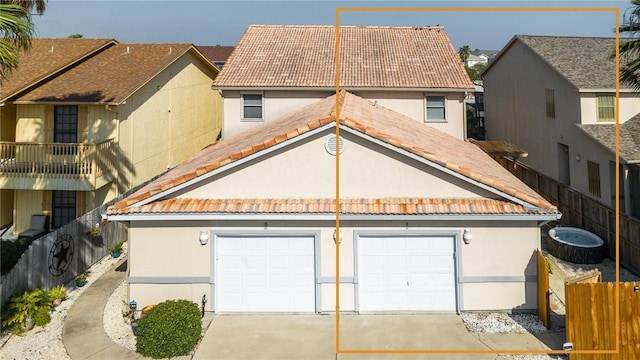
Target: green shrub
{"x":171,"y":328}
{"x":58,"y":292}
{"x":11,"y":251}
{"x":42,"y":316}
{"x":23,"y":304}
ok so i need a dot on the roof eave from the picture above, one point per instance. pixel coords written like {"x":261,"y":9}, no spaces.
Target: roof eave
{"x":332,"y":88}
{"x":331,"y":217}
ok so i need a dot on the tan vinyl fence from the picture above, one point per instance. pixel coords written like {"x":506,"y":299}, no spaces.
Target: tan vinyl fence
{"x":591,"y":319}
{"x":581,"y":211}
{"x":57,"y":257}
{"x":544,"y":304}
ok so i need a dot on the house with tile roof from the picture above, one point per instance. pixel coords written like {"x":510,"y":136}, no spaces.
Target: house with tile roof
{"x":427,"y":221}
{"x":276,"y":69}
{"x":555,"y":98}
{"x":84,"y":120}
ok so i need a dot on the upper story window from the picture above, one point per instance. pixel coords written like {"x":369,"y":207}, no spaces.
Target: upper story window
{"x":550,"y":102}
{"x":436,"y":109}
{"x":606,"y":107}
{"x":65,"y":124}
{"x":252,"y":107}
{"x":593,"y":173}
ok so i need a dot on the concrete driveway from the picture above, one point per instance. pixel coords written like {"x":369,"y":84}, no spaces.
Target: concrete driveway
{"x":312,"y":337}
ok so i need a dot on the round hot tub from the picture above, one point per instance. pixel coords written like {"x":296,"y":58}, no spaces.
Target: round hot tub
{"x":576,"y":245}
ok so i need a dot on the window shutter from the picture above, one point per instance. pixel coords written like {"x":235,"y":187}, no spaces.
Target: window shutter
{"x":83,"y":126}
{"x":48,"y":125}
{"x":46,"y":203}
{"x":81,"y":202}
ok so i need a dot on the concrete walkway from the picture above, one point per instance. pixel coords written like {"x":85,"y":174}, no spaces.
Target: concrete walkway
{"x":83,"y":333}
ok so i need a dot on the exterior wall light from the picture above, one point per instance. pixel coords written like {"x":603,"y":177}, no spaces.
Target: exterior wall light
{"x":204,"y":237}
{"x":337,"y":238}
{"x":467,"y":236}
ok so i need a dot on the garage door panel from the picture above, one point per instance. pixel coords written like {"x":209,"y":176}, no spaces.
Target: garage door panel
{"x":410,"y":273}
{"x":265,"y":274}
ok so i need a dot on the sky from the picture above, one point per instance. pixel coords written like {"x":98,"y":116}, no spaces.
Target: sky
{"x":214,"y":22}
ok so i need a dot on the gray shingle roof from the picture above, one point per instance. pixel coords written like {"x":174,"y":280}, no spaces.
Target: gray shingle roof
{"x":586,"y":62}
{"x":629,"y":137}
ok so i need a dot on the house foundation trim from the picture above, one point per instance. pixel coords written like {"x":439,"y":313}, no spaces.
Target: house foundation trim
{"x":496,"y":279}
{"x":169,"y":280}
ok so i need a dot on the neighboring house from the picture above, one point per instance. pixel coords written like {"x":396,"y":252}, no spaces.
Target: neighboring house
{"x":217,"y":54}
{"x":486,"y":54}
{"x":84,"y":120}
{"x":276,"y":69}
{"x":473,"y":60}
{"x":554,"y":97}
{"x":428,"y":222}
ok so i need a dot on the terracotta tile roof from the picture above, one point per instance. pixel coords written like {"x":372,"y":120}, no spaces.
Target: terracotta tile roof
{"x":110,"y":77}
{"x":362,"y":116}
{"x":46,"y":57}
{"x":216,"y":53}
{"x":304,"y":56}
{"x":629,"y":142}
{"x":388,"y":206}
{"x":585,"y":61}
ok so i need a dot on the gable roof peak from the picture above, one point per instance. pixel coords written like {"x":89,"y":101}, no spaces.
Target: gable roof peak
{"x":361,"y":117}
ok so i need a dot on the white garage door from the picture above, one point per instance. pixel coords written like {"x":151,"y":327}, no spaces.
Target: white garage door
{"x":265,"y":274}
{"x":406,"y":273}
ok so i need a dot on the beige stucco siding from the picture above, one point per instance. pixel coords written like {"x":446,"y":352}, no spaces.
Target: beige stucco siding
{"x":496,"y":271}
{"x":308,"y":171}
{"x":413,"y":105}
{"x":277,"y":103}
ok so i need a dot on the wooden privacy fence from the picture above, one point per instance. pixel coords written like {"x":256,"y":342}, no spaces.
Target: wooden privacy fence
{"x":581,"y":211}
{"x":544,"y":304}
{"x":591,"y":319}
{"x":57,"y":257}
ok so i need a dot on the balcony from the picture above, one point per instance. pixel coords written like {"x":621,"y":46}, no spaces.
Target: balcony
{"x":57,"y":166}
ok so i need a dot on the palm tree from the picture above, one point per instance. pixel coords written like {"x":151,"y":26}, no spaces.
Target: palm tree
{"x":16,"y":31}
{"x":30,"y":5}
{"x":630,"y":48}
{"x":464,"y":52}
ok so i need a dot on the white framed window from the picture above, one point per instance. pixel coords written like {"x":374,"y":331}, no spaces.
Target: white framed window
{"x":252,"y":107}
{"x":435,"y":108}
{"x":606,"y":107}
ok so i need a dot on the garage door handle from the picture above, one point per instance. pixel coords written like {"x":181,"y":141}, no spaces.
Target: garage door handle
{"x":407,"y":283}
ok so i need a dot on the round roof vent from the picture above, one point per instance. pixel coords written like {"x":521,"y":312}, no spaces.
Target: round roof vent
{"x":332,"y":147}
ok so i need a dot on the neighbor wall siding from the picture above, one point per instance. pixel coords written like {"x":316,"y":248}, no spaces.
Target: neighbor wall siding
{"x":168,"y":120}
{"x":30,"y":124}
{"x":27,"y":203}
{"x":515,"y":108}
{"x":629,"y":107}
